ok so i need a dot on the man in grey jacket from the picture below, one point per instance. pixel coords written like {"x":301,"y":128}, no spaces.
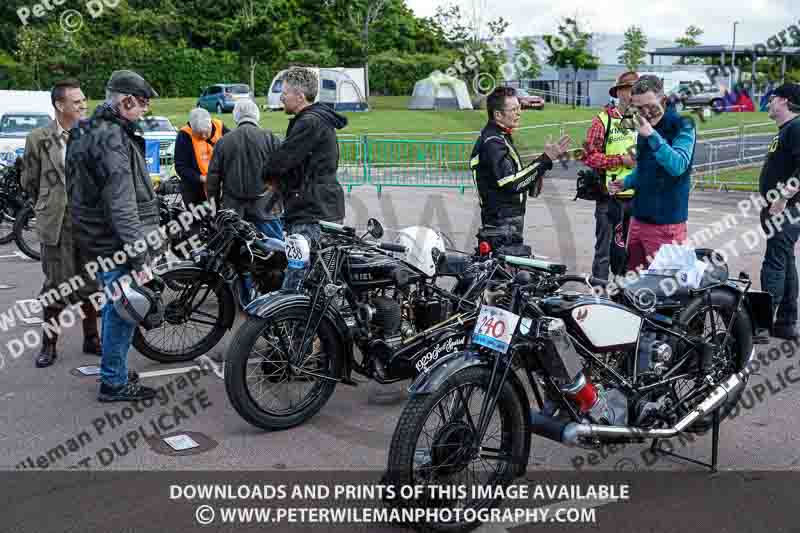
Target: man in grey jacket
{"x":237,"y":172}
{"x":114,"y":209}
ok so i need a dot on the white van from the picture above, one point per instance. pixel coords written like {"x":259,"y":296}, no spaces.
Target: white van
{"x":20,"y":113}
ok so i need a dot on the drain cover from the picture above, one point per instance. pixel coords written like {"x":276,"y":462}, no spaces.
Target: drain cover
{"x":181,"y":442}
{"x":184,"y":443}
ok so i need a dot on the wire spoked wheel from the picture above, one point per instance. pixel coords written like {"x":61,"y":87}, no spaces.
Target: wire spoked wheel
{"x":193,"y":318}
{"x":437,"y":442}
{"x":7,"y":216}
{"x":26,"y":234}
{"x":710,"y":321}
{"x":274,"y":377}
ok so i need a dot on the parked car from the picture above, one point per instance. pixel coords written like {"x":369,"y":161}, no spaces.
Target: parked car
{"x":694,"y":94}
{"x":14,"y":128}
{"x":222,"y":97}
{"x":529,"y":101}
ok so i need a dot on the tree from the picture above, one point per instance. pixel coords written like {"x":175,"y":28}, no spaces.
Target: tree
{"x":688,"y":40}
{"x":570,"y":48}
{"x":633,"y":49}
{"x":365,"y":18}
{"x":471,"y":33}
{"x":525,"y":54}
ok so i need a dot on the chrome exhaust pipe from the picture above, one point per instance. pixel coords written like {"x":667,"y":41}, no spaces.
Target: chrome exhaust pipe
{"x":571,"y":433}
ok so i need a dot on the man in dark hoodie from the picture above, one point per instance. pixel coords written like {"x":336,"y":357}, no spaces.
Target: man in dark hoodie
{"x":305,"y":165}
{"x":114,"y":209}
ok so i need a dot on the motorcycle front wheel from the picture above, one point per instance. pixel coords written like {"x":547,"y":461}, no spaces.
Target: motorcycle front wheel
{"x":269,"y":382}
{"x":435,"y":443}
{"x":26,"y":234}
{"x":194,"y":311}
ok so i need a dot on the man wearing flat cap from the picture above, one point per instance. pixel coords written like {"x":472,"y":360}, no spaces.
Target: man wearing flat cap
{"x":607,"y":151}
{"x":114,"y":208}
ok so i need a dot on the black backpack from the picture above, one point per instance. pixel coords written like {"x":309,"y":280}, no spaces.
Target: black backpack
{"x":590,"y":185}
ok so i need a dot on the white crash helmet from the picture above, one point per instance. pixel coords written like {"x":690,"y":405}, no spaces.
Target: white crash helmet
{"x":140,"y":305}
{"x":423,"y":248}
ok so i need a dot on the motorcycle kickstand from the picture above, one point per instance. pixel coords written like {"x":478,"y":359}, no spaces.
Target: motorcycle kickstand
{"x":655,"y":450}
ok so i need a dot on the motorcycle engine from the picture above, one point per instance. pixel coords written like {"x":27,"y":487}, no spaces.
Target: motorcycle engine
{"x":394,"y":315}
{"x":654,"y":356}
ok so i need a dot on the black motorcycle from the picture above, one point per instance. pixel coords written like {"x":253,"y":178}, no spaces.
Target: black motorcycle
{"x":653,"y":364}
{"x":17,"y":217}
{"x":201,"y":295}
{"x":295,"y":347}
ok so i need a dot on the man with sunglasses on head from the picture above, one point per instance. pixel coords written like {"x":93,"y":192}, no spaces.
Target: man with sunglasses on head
{"x":502,"y":180}
{"x":780,"y":173}
{"x":114,"y":209}
{"x":662,"y":177}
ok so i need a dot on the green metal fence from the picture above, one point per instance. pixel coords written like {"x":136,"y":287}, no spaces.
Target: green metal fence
{"x":427,"y":160}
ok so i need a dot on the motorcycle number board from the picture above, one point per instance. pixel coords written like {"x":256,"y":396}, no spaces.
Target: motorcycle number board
{"x":494,"y":328}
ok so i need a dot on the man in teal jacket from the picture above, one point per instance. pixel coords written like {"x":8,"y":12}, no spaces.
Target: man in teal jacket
{"x":664,"y":155}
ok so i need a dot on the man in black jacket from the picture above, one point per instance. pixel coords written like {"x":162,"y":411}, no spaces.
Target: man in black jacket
{"x":306,"y":165}
{"x":503,"y":182}
{"x":236,"y":171}
{"x":779,"y":184}
{"x":114,"y":210}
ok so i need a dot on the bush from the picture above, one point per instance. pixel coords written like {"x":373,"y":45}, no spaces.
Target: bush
{"x":392,"y":73}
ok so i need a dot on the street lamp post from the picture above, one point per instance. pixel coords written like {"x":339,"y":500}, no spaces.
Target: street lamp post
{"x":733,"y":55}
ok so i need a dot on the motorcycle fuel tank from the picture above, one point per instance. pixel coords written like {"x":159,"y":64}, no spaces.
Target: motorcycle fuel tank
{"x":600,"y":325}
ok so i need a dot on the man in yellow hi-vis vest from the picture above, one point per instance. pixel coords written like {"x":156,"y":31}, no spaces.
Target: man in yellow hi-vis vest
{"x":609,"y":150}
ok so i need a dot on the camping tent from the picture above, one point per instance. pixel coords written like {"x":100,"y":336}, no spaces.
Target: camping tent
{"x":341,"y":88}
{"x":439,"y":91}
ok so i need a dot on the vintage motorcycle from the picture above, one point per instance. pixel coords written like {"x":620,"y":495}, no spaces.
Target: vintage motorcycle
{"x":651,"y":365}
{"x":200,"y":295}
{"x":295,"y":347}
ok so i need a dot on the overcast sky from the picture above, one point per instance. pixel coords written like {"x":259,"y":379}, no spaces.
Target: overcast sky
{"x":665,"y":19}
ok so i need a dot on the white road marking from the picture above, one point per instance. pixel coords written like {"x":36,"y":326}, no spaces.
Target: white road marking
{"x":16,"y":254}
{"x":209,"y":364}
{"x":700,"y":209}
{"x":169,"y":371}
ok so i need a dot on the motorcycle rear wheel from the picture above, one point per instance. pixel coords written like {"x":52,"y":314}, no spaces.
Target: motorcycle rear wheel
{"x":699,"y":314}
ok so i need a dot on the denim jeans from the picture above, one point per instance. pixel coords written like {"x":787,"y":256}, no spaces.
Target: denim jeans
{"x":117,"y":335}
{"x":294,"y":276}
{"x":779,"y":272}
{"x":271,"y":228}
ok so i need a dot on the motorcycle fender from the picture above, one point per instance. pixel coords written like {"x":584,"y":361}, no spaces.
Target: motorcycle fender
{"x":280,"y":300}
{"x":227,"y":295}
{"x":758,"y":305}
{"x":438,"y":374}
{"x":428,"y":381}
{"x":164,"y":266}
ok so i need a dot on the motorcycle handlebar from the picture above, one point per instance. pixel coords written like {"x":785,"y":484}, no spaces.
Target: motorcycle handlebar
{"x":392,"y":247}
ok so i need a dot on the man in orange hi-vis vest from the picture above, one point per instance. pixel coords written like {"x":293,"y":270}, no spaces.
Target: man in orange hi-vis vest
{"x":193,"y":150}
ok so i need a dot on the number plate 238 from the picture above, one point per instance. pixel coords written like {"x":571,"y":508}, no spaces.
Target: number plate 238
{"x":495,"y":328}
{"x":298,"y":251}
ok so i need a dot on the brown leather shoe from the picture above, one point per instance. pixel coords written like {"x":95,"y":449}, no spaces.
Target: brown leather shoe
{"x":91,"y":337}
